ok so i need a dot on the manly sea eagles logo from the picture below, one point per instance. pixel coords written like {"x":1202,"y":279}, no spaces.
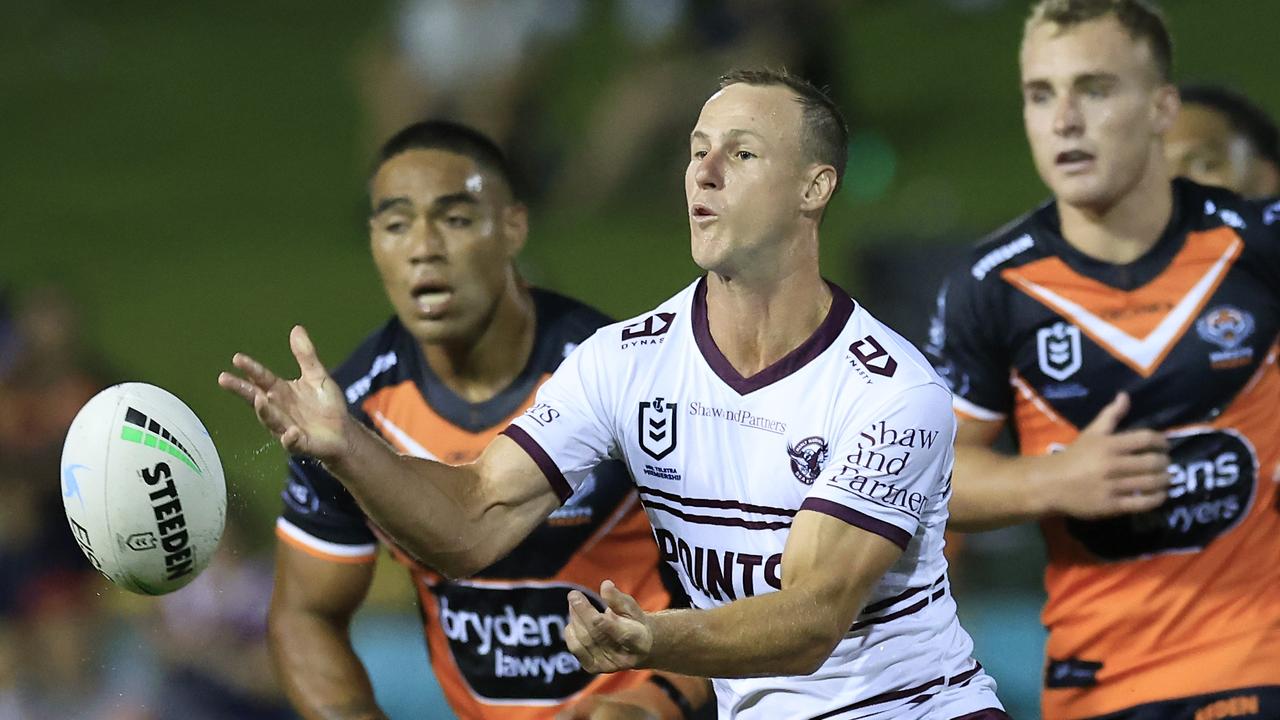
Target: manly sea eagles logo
{"x":1058,"y":347}
{"x":807,"y":458}
{"x":658,"y":428}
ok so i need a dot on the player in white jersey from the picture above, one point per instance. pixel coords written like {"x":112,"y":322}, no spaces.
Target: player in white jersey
{"x":851,"y":425}
{"x":793,"y":454}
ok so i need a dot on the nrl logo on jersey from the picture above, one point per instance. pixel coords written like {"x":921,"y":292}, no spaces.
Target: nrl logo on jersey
{"x":1058,"y":348}
{"x":1227,"y":327}
{"x":808,"y":458}
{"x":658,"y":427}
{"x":649,"y":331}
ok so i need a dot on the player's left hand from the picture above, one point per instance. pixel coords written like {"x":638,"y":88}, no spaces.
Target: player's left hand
{"x":619,"y":638}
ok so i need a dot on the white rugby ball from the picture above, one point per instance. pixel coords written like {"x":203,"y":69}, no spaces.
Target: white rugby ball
{"x":143,"y":488}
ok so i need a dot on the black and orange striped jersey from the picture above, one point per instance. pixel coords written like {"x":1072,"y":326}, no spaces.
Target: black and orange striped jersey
{"x":1183,"y":600}
{"x":494,"y":638}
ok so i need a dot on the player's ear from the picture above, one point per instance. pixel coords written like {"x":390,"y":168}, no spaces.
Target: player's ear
{"x":820,"y":186}
{"x":1166,"y":106}
{"x":515,"y":227}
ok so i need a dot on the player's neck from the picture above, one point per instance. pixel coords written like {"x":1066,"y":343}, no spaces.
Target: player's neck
{"x":1125,"y":230}
{"x":756,"y":322}
{"x":478,"y":368}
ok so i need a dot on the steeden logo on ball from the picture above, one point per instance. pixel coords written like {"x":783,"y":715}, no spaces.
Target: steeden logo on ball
{"x":143,"y":488}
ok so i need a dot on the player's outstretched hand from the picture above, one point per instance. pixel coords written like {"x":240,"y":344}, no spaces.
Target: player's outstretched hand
{"x":619,"y":638}
{"x":308,"y":415}
{"x":1105,"y":473}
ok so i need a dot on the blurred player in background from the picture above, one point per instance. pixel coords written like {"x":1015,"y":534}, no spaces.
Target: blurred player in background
{"x":1223,"y":138}
{"x":465,"y":352}
{"x":768,"y":422}
{"x":1127,"y":329}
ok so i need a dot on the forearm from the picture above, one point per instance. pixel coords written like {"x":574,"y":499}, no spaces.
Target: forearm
{"x":782,"y":633}
{"x":431,"y":509}
{"x":319,"y":670}
{"x":991,"y":490}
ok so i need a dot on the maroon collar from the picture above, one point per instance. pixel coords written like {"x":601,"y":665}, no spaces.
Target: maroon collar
{"x":841,"y":308}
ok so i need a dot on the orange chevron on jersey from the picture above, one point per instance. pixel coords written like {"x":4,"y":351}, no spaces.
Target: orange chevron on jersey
{"x":405,"y":419}
{"x":1182,"y":601}
{"x":1140,"y":326}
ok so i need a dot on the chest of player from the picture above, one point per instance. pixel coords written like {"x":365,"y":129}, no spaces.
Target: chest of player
{"x":722,"y":474}
{"x":1182,"y":357}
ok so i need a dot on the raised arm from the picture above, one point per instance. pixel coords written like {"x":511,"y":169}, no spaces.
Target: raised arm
{"x":456,"y":519}
{"x":1102,"y":473}
{"x":788,"y":632}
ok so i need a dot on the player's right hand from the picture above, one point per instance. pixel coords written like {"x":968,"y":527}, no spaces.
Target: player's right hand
{"x":1105,"y":473}
{"x":307,"y":415}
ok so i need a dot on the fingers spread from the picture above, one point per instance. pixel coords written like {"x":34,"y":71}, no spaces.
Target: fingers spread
{"x":269,"y":415}
{"x":237,"y":385}
{"x":304,"y":351}
{"x":256,"y":372}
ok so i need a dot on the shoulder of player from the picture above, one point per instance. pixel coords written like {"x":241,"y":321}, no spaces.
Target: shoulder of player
{"x":1009,"y":246}
{"x":648,"y":329}
{"x":893,"y":360}
{"x":375,"y":361}
{"x":1207,"y":208}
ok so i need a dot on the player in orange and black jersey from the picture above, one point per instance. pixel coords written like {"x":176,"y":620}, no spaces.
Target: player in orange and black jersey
{"x":465,"y":353}
{"x":1127,"y":332}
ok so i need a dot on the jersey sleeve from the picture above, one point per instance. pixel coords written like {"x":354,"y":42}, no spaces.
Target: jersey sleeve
{"x":890,"y":466}
{"x":965,"y":350}
{"x":321,"y":518}
{"x":567,"y":431}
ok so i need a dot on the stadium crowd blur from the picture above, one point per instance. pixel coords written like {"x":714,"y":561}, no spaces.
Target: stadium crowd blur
{"x":71,"y":646}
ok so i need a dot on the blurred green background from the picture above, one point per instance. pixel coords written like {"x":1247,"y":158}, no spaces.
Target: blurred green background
{"x":193,"y":174}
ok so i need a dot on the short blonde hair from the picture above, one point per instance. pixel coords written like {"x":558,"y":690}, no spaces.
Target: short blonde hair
{"x":1140,"y":18}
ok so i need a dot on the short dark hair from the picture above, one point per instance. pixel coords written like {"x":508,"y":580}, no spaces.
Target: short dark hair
{"x":826,"y":136}
{"x":1140,"y":18}
{"x":1243,"y":114}
{"x":450,"y":137}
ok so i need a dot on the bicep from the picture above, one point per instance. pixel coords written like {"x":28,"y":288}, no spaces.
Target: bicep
{"x":517,"y":491}
{"x":837,"y":564}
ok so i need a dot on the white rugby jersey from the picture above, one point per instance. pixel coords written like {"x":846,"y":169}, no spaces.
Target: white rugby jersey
{"x":853,"y":423}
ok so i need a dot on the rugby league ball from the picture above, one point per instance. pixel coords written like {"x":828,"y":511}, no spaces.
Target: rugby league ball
{"x":143,"y":488}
